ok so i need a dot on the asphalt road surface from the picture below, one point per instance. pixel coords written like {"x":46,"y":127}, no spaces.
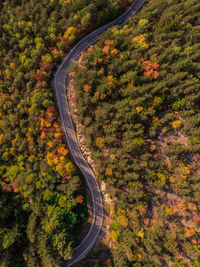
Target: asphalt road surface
{"x":59,"y":86}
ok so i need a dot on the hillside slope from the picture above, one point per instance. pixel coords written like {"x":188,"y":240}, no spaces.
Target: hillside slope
{"x":138,"y":101}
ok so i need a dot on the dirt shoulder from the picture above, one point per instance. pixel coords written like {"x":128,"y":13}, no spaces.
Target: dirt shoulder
{"x":103,"y":243}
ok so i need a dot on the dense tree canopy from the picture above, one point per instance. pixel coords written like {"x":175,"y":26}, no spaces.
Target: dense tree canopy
{"x":42,"y":197}
{"x":138,"y":96}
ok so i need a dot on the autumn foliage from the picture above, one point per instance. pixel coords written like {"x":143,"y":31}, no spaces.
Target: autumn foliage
{"x":150,"y":68}
{"x":39,"y":184}
{"x":141,"y":121}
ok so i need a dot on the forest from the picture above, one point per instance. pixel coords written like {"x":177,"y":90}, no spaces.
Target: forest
{"x":137,"y":97}
{"x":42,"y":194}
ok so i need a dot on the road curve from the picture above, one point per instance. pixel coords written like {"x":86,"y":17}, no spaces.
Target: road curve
{"x":59,"y":86}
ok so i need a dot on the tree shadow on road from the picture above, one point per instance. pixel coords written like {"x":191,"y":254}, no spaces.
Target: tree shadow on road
{"x":100,"y":254}
{"x":100,"y":257}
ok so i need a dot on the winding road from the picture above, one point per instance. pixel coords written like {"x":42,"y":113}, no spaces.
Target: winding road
{"x":59,"y":86}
